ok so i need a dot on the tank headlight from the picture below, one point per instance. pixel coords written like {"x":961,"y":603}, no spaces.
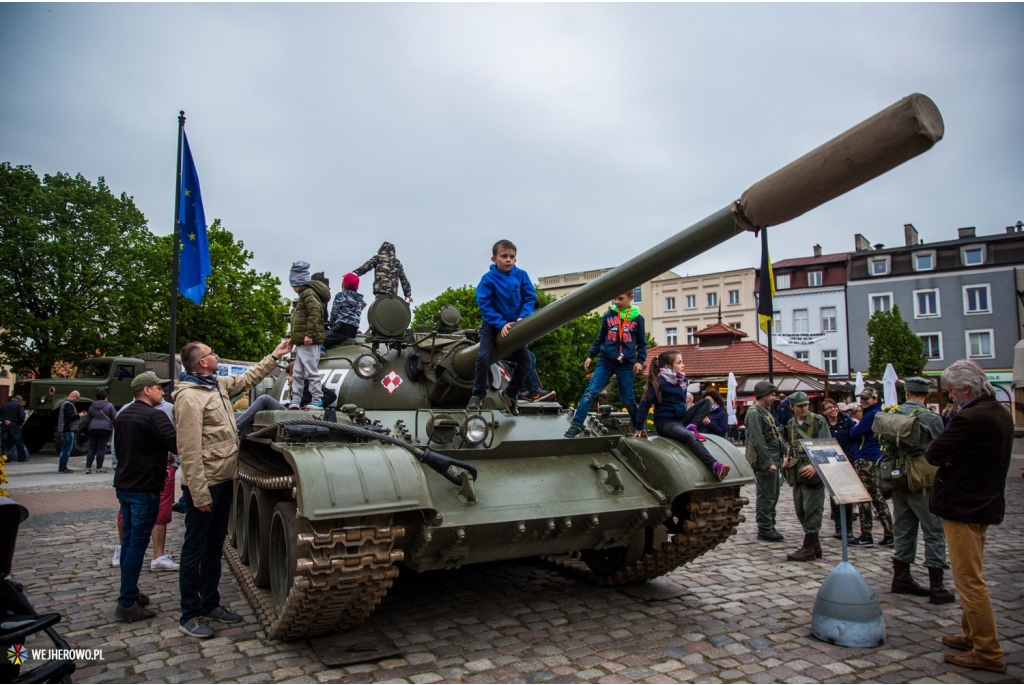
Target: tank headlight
{"x":366,"y":366}
{"x":474,"y":430}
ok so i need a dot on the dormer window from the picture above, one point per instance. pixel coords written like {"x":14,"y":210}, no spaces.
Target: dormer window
{"x":972,"y":256}
{"x":878,"y":266}
{"x":924,"y":261}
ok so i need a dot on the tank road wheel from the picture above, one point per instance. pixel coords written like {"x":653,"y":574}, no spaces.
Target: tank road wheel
{"x":242,"y":495}
{"x":261,"y":511}
{"x":231,"y":516}
{"x":607,"y":562}
{"x":282,"y":553}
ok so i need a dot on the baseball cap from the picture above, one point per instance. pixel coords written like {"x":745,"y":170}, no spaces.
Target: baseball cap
{"x":146,"y":379}
{"x":869,"y":393}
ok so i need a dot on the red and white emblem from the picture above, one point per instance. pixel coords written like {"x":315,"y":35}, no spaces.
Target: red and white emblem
{"x":391,"y":382}
{"x":505,"y":374}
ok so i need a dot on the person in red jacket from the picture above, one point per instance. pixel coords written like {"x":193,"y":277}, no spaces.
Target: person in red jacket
{"x":973,"y":456}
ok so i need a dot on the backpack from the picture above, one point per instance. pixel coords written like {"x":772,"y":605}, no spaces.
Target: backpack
{"x":901,"y":433}
{"x":898,"y":429}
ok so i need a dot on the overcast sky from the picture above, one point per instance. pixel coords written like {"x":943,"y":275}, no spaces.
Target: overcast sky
{"x":583,"y":133}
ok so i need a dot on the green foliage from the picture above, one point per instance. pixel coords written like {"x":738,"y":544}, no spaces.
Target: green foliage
{"x":425,"y":314}
{"x":75,"y":275}
{"x":892,"y":342}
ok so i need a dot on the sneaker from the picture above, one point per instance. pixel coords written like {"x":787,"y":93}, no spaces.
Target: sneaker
{"x":697,"y":434}
{"x":512,"y":403}
{"x":315,"y":405}
{"x":475,"y":403}
{"x":862,"y":541}
{"x":177,"y":508}
{"x":537,"y":395}
{"x":887,"y":541}
{"x":196,"y":627}
{"x":721,"y":470}
{"x":164,"y":563}
{"x":116,"y":561}
{"x":224,"y":615}
{"x":88,"y":470}
{"x":774,"y":536}
{"x":290,"y":405}
{"x":142,"y":600}
{"x":573,"y":431}
{"x":101,"y":470}
{"x":135,"y":612}
{"x":66,"y":471}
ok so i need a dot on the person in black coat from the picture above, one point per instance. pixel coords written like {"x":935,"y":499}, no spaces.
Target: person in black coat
{"x":973,"y":457}
{"x":717,"y":420}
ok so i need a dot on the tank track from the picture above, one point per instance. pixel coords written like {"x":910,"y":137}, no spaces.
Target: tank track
{"x":713,"y":517}
{"x":342,"y":574}
{"x":264,"y":474}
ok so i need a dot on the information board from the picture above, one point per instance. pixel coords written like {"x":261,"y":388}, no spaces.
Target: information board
{"x":836,"y":471}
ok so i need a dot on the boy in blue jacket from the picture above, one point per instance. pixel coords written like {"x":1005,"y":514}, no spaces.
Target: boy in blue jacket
{"x":621,"y":349}
{"x":505,"y":295}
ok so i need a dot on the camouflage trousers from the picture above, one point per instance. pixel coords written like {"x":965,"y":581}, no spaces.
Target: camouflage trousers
{"x":866,"y":470}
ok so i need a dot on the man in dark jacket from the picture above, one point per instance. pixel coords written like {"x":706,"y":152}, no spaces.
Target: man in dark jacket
{"x":67,"y":423}
{"x":867,"y":452}
{"x":973,"y":456}
{"x":143,"y":438}
{"x":12,"y":418}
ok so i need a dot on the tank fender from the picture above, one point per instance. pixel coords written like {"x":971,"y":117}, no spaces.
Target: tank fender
{"x":668,"y":467}
{"x":358,"y":479}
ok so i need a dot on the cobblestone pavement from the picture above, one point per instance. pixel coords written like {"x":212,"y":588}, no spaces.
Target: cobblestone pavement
{"x":745,"y":616}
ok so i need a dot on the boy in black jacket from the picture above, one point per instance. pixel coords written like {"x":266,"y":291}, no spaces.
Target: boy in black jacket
{"x":144,"y":435}
{"x":621,"y":349}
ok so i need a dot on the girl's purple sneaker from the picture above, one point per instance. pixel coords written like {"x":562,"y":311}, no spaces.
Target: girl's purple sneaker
{"x":721,"y":470}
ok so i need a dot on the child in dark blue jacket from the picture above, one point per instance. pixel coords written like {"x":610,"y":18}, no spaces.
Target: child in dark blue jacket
{"x":505,"y":295}
{"x":621,"y":349}
{"x":666,"y":392}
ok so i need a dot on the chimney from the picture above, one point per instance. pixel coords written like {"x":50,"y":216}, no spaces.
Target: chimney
{"x":817,"y":250}
{"x":879,"y":246}
{"x":910,"y":235}
{"x":964,"y":233}
{"x":1011,"y":229}
{"x":860,"y":243}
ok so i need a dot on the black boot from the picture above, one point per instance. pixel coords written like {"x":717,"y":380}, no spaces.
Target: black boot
{"x":903,"y":583}
{"x":937,"y":594}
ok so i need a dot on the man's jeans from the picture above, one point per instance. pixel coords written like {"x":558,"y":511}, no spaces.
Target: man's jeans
{"x":201,"y":550}
{"x":603,"y":373}
{"x":67,"y":441}
{"x":138,"y":513}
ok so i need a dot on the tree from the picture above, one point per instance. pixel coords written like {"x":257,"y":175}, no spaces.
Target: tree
{"x":560,"y":353}
{"x":892,"y":342}
{"x":76,"y":269}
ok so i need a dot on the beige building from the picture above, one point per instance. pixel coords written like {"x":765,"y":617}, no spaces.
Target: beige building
{"x":683,"y":305}
{"x":562,"y":284}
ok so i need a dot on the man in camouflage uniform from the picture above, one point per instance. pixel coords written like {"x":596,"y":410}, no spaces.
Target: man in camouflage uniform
{"x":910,"y":509}
{"x":387,"y":272}
{"x":867,"y":452}
{"x":764,"y":453}
{"x":808,"y":490}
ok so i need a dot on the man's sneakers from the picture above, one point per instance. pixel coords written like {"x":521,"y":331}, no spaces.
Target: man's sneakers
{"x":537,"y":395}
{"x":66,"y":471}
{"x":223,"y":614}
{"x":164,"y":563}
{"x":135,"y":612}
{"x":862,"y":541}
{"x":887,"y":541}
{"x":116,"y":561}
{"x":773,"y":536}
{"x":511,"y":402}
{"x":197,"y":627}
{"x":573,"y":431}
{"x":475,"y":403}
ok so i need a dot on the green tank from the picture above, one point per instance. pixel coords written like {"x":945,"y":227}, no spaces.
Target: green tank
{"x":330,"y":504}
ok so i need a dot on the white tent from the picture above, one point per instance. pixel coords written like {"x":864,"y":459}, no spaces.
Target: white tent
{"x":858,"y":386}
{"x":731,"y":405}
{"x":889,"y":379}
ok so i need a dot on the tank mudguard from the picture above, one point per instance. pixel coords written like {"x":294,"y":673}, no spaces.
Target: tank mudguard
{"x":338,"y":480}
{"x":669,"y":467}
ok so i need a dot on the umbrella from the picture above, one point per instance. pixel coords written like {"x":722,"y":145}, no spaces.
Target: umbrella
{"x":731,"y":393}
{"x":858,"y":386}
{"x":889,"y":379}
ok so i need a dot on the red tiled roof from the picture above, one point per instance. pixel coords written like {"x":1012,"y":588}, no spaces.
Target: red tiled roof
{"x":743,"y":358}
{"x":719,"y":328}
{"x":810,"y":261}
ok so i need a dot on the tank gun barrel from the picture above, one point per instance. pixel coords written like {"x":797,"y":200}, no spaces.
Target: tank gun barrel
{"x":876,"y":145}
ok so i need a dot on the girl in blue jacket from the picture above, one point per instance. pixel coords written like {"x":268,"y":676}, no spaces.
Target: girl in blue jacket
{"x":666,"y":392}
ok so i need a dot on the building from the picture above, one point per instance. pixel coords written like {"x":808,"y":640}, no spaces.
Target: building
{"x":962,"y":297}
{"x":7,"y":380}
{"x":683,"y":305}
{"x":561,"y":285}
{"x":810,"y":311}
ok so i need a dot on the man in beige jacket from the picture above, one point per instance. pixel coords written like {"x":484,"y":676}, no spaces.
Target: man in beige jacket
{"x":208,"y":450}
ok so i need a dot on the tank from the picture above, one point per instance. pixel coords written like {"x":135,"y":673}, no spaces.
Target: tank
{"x":331,"y":504}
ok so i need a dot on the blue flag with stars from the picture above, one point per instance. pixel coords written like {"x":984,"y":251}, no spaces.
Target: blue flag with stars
{"x":195,"y":250}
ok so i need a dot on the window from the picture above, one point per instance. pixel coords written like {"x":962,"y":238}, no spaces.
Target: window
{"x":734,"y":297}
{"x":777,"y":322}
{"x":671,"y":336}
{"x":828,"y":319}
{"x":932,"y":344}
{"x":670,"y":304}
{"x":738,"y":325}
{"x":813,"y":279}
{"x":691,"y":301}
{"x":638,"y":295}
{"x":881,"y":302}
{"x":691,"y":337}
{"x":976,"y":299}
{"x":781,"y":281}
{"x":926,"y":304}
{"x":830,"y":360}
{"x":972,"y":256}
{"x":924,"y":261}
{"x":712,"y":299}
{"x":800,"y":322}
{"x":879,"y":266}
{"x":979,"y":344}
{"x":802,"y":355}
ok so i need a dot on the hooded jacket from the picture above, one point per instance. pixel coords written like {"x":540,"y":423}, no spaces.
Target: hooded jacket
{"x":865,"y":442}
{"x":101,"y":416}
{"x":505,"y":298}
{"x":387,"y":272}
{"x":308,"y":315}
{"x":205,"y":423}
{"x":621,"y":341}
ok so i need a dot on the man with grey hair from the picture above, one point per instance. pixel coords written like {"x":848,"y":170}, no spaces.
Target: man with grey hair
{"x":973,"y":456}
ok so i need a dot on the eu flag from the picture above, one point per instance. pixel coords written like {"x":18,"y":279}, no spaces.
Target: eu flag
{"x":195,"y":250}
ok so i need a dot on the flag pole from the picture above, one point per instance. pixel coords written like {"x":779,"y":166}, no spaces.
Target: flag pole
{"x":174,"y":262}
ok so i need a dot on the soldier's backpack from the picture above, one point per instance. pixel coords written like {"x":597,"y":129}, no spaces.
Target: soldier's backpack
{"x":901,"y":435}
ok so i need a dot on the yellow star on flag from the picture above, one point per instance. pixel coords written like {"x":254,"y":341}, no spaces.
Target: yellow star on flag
{"x":188,"y":193}
{"x":191,"y":236}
